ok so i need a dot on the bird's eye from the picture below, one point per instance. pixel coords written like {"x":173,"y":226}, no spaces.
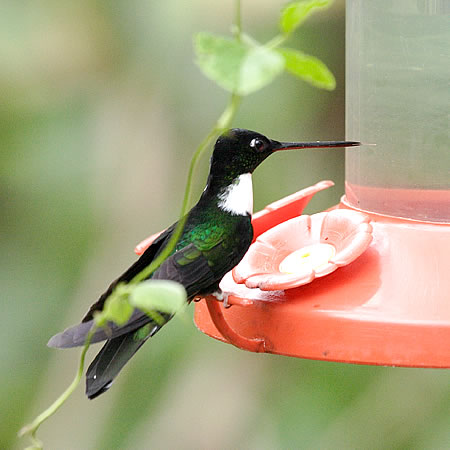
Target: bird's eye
{"x":258,"y":144}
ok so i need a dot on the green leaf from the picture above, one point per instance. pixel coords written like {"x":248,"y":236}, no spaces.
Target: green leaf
{"x":260,"y":67}
{"x":117,"y":307}
{"x":158,"y":295}
{"x":237,"y":67}
{"x":308,"y":68}
{"x":219,"y":59}
{"x":294,"y":14}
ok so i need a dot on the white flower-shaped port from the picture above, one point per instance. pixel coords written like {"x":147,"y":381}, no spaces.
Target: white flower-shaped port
{"x":304,"y":248}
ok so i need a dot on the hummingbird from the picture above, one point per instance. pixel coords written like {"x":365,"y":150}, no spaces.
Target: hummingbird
{"x":217,"y":233}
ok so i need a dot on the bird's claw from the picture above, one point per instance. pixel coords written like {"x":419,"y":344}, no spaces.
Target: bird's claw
{"x":222,"y":297}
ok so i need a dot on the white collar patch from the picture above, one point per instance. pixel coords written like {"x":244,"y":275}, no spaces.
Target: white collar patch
{"x":237,"y":198}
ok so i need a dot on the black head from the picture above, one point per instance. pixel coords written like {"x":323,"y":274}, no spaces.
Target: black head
{"x":240,"y":151}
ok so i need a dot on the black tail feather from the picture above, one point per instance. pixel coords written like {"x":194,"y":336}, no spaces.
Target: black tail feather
{"x":109,"y":362}
{"x":113,"y":356}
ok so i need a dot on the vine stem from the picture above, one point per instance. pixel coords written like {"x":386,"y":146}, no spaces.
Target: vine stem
{"x":237,"y":27}
{"x":33,"y":426}
{"x":222,"y":123}
{"x":278,"y":40}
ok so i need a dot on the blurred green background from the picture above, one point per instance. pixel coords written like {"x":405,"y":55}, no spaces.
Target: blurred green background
{"x":101,"y":107}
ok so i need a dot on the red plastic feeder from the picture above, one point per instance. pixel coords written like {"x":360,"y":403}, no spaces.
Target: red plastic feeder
{"x":391,"y":305}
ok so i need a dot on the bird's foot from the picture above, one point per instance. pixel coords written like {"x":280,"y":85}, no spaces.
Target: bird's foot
{"x":222,"y":297}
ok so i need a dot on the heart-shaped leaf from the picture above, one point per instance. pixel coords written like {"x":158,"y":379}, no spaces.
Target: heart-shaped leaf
{"x":117,"y":308}
{"x":162,"y":296}
{"x":308,"y":68}
{"x":235,"y":66}
{"x":294,"y":14}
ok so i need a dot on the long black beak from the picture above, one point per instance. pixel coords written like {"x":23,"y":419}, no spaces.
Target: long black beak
{"x":316,"y":144}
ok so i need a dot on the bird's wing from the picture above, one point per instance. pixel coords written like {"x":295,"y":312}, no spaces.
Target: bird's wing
{"x":145,"y":260}
{"x":188,"y":266}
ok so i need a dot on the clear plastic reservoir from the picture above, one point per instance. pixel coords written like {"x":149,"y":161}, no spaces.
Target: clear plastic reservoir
{"x":398,"y":97}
